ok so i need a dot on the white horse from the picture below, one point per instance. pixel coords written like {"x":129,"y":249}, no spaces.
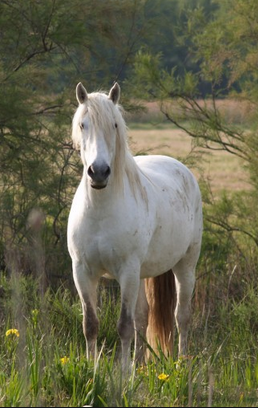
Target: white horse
{"x":132,"y":218}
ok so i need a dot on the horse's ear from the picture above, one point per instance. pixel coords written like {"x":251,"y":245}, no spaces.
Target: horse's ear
{"x":114,"y":93}
{"x":81,"y":93}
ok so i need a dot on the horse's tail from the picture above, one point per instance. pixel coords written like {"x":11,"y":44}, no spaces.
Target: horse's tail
{"x":161,"y":296}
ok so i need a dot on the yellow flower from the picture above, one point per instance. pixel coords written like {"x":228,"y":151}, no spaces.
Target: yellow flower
{"x":64,"y":360}
{"x":12,"y":331}
{"x":163,"y":377}
{"x":141,"y":369}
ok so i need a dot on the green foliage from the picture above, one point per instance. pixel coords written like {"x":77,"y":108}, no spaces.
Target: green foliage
{"x":223,"y":45}
{"x":46,"y":48}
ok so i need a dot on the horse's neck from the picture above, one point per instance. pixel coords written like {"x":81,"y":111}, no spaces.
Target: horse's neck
{"x":121,"y":182}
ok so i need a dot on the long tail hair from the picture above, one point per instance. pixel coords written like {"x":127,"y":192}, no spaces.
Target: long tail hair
{"x":161,"y":296}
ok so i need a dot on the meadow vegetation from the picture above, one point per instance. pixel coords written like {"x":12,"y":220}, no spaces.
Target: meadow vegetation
{"x":44,"y":362}
{"x":151,"y":132}
{"x":202,"y":109}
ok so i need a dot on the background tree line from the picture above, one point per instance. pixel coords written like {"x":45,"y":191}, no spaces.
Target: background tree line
{"x":168,"y":51}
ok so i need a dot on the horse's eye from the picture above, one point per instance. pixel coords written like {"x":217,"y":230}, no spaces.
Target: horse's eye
{"x":116,"y":125}
{"x":81,"y":126}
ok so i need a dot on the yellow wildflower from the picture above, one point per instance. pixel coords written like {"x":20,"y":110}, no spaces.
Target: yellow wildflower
{"x":163,"y":377}
{"x":64,"y":360}
{"x":12,"y":331}
{"x":141,"y":369}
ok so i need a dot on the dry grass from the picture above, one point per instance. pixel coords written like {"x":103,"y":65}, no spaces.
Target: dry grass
{"x":224,"y":170}
{"x":235,"y":111}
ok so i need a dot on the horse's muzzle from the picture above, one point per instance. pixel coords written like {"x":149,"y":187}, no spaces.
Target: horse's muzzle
{"x":98,"y":186}
{"x":99,"y":175}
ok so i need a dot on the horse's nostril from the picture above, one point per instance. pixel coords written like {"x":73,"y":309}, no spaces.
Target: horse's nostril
{"x":98,"y":173}
{"x":107,"y":172}
{"x":90,"y":171}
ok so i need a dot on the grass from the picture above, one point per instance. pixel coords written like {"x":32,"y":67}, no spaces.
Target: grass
{"x":46,"y":364}
{"x":151,"y":133}
{"x":224,"y":171}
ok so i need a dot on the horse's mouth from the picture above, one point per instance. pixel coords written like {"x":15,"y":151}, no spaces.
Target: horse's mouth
{"x":98,"y":186}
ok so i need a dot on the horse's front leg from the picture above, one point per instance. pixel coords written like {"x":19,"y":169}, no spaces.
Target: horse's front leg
{"x":86,"y":286}
{"x":129,"y":283}
{"x":141,"y":323}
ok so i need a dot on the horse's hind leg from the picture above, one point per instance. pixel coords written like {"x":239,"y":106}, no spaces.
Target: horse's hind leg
{"x":87,"y":290}
{"x":141,"y":323}
{"x":184,"y":272}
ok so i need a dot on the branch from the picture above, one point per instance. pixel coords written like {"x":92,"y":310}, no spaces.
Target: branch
{"x":28,"y":58}
{"x":43,"y":110}
{"x":229,"y":147}
{"x":59,"y":193}
{"x":229,"y":228}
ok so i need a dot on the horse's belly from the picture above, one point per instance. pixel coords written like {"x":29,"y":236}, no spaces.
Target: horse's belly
{"x":160,"y":260}
{"x":169,"y":243}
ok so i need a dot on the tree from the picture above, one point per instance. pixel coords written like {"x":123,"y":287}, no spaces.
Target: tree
{"x":224,"y":47}
{"x":45,"y":49}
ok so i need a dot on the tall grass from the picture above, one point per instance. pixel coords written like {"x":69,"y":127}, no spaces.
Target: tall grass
{"x":46,"y":364}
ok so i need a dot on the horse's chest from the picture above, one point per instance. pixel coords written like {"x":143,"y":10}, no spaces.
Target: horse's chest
{"x":103,"y":245}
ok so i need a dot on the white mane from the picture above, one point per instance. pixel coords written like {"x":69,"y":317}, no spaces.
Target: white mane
{"x":104,"y":114}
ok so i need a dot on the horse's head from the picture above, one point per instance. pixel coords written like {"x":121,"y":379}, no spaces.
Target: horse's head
{"x":95,"y":130}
